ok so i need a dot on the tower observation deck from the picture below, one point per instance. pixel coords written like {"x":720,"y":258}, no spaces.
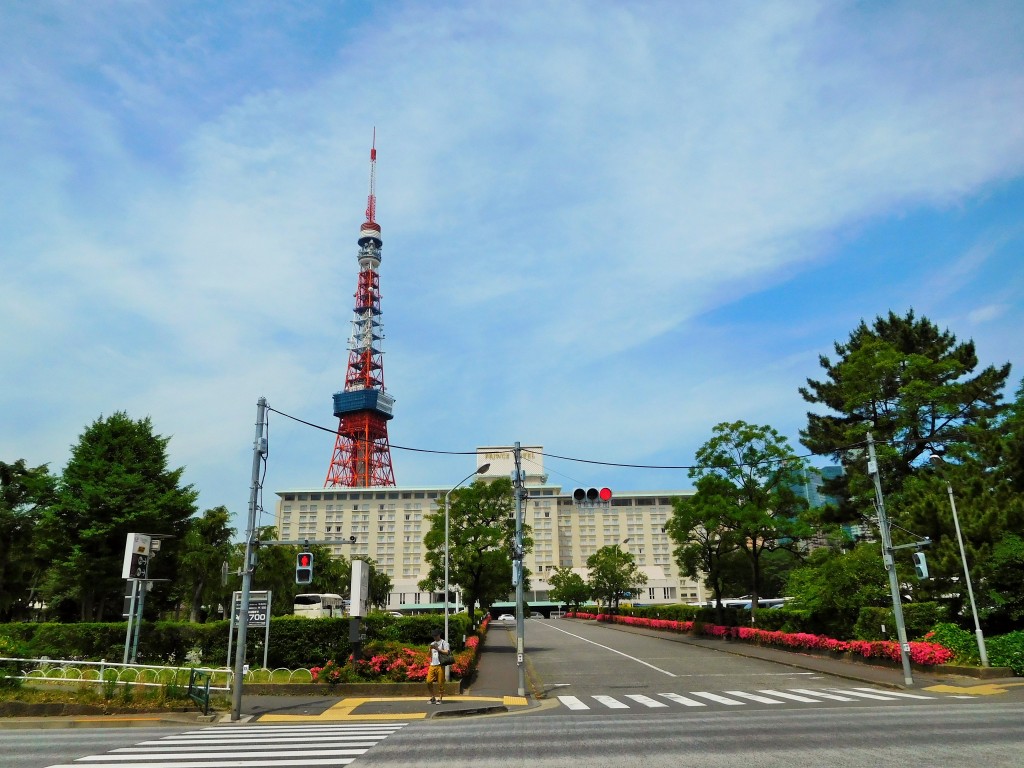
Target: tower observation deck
{"x":362,"y":454}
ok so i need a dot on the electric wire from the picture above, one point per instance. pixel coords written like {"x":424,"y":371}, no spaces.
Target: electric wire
{"x":578,"y":460}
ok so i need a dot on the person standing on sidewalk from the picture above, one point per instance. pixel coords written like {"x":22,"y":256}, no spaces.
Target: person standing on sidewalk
{"x":436,"y":670}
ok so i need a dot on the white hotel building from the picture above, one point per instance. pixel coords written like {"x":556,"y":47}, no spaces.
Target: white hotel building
{"x":389,"y":525}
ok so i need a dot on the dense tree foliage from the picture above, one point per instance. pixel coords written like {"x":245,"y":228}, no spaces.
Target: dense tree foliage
{"x":568,"y":587}
{"x":24,"y":493}
{"x":703,"y":536}
{"x":834,"y":585}
{"x":913,"y":386}
{"x":746,"y":476}
{"x":613,"y":573}
{"x":481,"y":537}
{"x":116,"y":482}
{"x":984,"y":477}
{"x":204,"y":549}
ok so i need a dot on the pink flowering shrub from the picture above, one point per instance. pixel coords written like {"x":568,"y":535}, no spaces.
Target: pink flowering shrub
{"x":392,"y":662}
{"x":923,"y":653}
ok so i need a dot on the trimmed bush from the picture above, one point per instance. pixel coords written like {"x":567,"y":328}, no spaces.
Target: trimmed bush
{"x":1007,"y":651}
{"x":919,"y":619}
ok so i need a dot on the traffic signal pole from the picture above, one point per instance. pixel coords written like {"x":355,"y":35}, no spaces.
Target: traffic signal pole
{"x":259,"y":451}
{"x":517,"y":569}
{"x":890,"y":563}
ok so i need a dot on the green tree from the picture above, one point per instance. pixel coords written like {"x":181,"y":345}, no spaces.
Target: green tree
{"x":832,"y":586}
{"x":1004,"y":585}
{"x":701,"y":529}
{"x":568,"y":587}
{"x":24,"y":493}
{"x":204,"y":549}
{"x":116,"y":482}
{"x":913,"y":386}
{"x":481,"y":537}
{"x":984,"y":475}
{"x":755,"y":473}
{"x":613,"y":573}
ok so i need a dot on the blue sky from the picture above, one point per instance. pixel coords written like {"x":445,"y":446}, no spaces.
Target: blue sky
{"x":607,"y":226}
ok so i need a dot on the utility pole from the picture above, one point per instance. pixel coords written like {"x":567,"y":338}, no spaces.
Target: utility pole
{"x":259,"y":452}
{"x":517,"y":567}
{"x":890,"y":563}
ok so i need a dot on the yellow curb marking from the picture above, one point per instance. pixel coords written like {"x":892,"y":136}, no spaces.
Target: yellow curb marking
{"x":345,"y":709}
{"x":988,"y":689}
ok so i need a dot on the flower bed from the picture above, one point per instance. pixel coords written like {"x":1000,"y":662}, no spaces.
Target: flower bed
{"x":391,"y":662}
{"x":922,"y":653}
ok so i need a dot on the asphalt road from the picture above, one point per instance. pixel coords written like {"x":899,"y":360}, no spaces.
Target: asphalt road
{"x":592,"y":667}
{"x":987,"y":734}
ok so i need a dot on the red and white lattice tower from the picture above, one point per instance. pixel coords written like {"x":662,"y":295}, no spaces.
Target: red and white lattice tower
{"x":362,"y":454}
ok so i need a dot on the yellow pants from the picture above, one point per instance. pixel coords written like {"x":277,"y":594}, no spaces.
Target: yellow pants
{"x":435,"y":673}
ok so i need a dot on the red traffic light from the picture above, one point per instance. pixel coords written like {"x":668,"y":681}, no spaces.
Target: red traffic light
{"x":305,"y":560}
{"x":591,"y":495}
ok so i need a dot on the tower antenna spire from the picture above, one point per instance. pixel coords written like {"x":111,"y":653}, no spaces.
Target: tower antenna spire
{"x":371,"y":200}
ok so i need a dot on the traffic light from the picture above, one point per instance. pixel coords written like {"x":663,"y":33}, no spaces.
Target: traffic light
{"x":304,"y":568}
{"x":591,"y":495}
{"x":921,"y":565}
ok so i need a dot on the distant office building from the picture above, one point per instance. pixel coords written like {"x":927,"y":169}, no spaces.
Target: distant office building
{"x":389,"y":524}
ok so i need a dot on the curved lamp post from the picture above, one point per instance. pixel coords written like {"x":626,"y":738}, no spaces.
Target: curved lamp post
{"x":937,"y":459}
{"x":478,"y":471}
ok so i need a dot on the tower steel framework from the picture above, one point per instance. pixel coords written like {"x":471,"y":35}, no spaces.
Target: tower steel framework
{"x":362,"y":454}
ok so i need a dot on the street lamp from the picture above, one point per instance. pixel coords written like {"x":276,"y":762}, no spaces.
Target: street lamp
{"x":936,"y":459}
{"x":478,"y":471}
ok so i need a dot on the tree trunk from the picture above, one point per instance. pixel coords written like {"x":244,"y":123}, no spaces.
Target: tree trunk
{"x":197,"y":602}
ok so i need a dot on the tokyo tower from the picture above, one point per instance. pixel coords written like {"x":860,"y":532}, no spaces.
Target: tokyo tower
{"x":362,"y":454}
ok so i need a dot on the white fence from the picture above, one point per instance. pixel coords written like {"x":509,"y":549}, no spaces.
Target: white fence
{"x":112,"y":673}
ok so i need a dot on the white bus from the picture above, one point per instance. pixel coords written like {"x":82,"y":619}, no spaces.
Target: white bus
{"x":315,"y":606}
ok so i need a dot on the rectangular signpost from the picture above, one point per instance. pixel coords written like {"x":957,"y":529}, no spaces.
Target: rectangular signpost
{"x":258,"y":616}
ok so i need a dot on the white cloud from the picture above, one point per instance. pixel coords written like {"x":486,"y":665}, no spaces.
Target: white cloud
{"x":566,"y":196}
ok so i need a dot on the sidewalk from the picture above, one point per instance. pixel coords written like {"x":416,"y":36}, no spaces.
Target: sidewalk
{"x":494,"y":689}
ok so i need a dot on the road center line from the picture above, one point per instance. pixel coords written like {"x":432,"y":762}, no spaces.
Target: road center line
{"x":625,"y":655}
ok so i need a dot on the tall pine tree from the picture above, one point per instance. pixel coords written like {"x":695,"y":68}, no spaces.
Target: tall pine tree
{"x":116,"y":482}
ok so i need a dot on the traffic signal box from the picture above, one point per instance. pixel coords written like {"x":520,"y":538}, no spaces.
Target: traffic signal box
{"x":591,"y":496}
{"x":304,"y":568}
{"x":921,"y":565}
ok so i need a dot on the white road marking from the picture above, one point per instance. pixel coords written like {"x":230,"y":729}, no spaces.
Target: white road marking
{"x":790,"y":696}
{"x":572,"y":702}
{"x":682,"y":700}
{"x":753,"y":697}
{"x":898,"y":694}
{"x":647,"y":701}
{"x":248,"y":747}
{"x":620,"y":653}
{"x":821,"y":694}
{"x":611,"y":702}
{"x":867,"y":693}
{"x":716,"y":698}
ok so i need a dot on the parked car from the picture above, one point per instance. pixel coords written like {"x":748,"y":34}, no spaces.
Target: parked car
{"x":536,"y":615}
{"x":506,"y":617}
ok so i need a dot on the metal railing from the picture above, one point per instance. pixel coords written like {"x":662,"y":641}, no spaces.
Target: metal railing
{"x":112,"y":673}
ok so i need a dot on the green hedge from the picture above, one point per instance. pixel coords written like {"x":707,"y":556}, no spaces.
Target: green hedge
{"x":294,"y":642}
{"x":1007,"y":651}
{"x":919,"y":619}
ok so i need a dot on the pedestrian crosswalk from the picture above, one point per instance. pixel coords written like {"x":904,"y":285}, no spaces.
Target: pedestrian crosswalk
{"x":258,"y":746}
{"x":736,"y":698}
